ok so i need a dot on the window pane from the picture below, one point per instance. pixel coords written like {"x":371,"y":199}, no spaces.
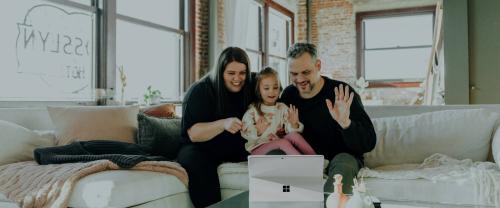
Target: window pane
{"x":163,"y":12}
{"x":253,"y":27}
{"x":277,"y":33}
{"x":149,"y":57}
{"x":255,"y":62}
{"x":280,"y":65}
{"x":387,"y":32}
{"x":397,"y":64}
{"x":47,"y":52}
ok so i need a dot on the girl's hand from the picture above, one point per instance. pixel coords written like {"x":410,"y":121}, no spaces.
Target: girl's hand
{"x":293,"y":116}
{"x":232,"y":125}
{"x":272,"y":137}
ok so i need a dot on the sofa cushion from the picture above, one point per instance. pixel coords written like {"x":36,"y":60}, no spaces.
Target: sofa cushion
{"x":6,"y":203}
{"x":460,"y":134}
{"x":495,"y":146}
{"x":161,"y":136}
{"x":85,"y":123}
{"x":124,"y":188}
{"x":18,"y":143}
{"x":423,"y":190}
{"x":233,"y":176}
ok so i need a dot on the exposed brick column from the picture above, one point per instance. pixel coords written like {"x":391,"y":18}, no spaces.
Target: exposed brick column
{"x":302,"y":21}
{"x":201,"y":39}
{"x":220,"y":24}
{"x":333,"y":31}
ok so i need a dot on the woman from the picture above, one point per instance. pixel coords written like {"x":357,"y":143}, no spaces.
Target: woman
{"x":211,"y":121}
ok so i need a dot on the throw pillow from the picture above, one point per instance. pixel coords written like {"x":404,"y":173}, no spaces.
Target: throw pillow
{"x":160,"y":136}
{"x":84,"y":123}
{"x":460,"y":134}
{"x":495,"y":147}
{"x":17,"y":143}
{"x":161,"y":111}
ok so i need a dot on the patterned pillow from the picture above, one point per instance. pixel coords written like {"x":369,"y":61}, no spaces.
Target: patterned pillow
{"x":161,"y":136}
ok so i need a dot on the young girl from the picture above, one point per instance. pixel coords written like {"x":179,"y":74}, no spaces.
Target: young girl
{"x":266,"y":121}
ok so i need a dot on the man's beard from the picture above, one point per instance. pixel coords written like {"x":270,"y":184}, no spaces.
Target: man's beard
{"x":309,"y":87}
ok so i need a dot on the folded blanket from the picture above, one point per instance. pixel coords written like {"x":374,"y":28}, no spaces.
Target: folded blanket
{"x":439,"y":167}
{"x":125,"y":155}
{"x":33,"y":185}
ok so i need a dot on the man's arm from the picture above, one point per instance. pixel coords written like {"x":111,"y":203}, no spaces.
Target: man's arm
{"x":360,"y":135}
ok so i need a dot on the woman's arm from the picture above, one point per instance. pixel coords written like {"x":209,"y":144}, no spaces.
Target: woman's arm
{"x":202,"y":132}
{"x":205,"y":131}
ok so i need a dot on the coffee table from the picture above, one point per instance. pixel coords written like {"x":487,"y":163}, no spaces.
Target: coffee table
{"x":241,"y":201}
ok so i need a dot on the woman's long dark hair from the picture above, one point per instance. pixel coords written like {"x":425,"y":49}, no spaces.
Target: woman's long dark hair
{"x":216,"y":76}
{"x":266,"y":72}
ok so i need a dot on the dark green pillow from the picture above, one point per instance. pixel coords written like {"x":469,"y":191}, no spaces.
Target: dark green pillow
{"x":159,"y":135}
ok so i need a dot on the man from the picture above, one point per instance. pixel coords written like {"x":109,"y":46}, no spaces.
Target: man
{"x":335,"y":122}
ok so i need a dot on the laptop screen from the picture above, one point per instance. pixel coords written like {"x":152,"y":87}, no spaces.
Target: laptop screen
{"x":285,"y":178}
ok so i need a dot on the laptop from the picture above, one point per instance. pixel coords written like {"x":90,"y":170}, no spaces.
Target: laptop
{"x":285,"y":181}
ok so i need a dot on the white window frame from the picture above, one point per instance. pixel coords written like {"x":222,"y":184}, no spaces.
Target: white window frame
{"x":361,"y":43}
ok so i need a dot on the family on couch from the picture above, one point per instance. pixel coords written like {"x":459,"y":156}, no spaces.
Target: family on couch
{"x":335,"y":123}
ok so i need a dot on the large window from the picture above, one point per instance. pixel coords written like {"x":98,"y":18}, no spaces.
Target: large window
{"x":70,"y":50}
{"x":47,"y":51}
{"x":149,"y":47}
{"x":269,"y":34}
{"x":395,"y":46}
{"x":279,"y":39}
{"x":254,"y":35}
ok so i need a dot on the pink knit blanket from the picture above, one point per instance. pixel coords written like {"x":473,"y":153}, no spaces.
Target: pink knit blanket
{"x":33,"y":185}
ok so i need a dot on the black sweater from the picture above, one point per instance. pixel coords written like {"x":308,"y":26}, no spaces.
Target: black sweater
{"x":125,"y":155}
{"x":322,"y":132}
{"x":200,"y":106}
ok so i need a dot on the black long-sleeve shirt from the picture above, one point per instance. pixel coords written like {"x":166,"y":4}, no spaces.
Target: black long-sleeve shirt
{"x":199,"y":106}
{"x":322,"y":132}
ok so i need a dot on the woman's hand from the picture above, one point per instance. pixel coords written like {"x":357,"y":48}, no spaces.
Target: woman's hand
{"x":233,"y":125}
{"x":293,"y":116}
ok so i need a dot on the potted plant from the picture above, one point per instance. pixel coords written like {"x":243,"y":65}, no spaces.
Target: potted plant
{"x":152,"y":96}
{"x":123,"y":81}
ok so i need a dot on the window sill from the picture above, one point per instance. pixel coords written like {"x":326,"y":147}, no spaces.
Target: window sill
{"x":394,"y":84}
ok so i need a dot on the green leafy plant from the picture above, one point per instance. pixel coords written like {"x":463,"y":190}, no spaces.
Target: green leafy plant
{"x":151,"y":95}
{"x":123,"y":81}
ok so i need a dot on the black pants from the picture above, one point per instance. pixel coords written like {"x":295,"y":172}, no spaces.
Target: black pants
{"x":201,"y":165}
{"x":348,"y":166}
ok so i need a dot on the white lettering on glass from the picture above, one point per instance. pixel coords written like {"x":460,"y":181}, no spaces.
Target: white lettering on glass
{"x":57,"y":46}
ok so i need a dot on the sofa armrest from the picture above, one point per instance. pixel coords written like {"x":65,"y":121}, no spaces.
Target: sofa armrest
{"x":495,"y":146}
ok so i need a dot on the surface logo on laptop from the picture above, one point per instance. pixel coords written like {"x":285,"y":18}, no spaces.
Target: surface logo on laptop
{"x":286,"y":188}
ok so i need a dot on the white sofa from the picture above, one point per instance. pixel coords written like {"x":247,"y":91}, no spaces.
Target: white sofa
{"x":142,"y":189}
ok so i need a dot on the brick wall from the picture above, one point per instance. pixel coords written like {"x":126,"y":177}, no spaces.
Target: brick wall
{"x":301,"y":19}
{"x":201,"y":39}
{"x":334,"y":33}
{"x":220,"y":24}
{"x":202,"y":30}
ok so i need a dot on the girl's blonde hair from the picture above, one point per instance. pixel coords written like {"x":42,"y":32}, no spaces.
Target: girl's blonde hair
{"x":264,"y":73}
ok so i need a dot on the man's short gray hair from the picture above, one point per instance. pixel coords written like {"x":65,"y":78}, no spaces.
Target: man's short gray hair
{"x":297,"y":49}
